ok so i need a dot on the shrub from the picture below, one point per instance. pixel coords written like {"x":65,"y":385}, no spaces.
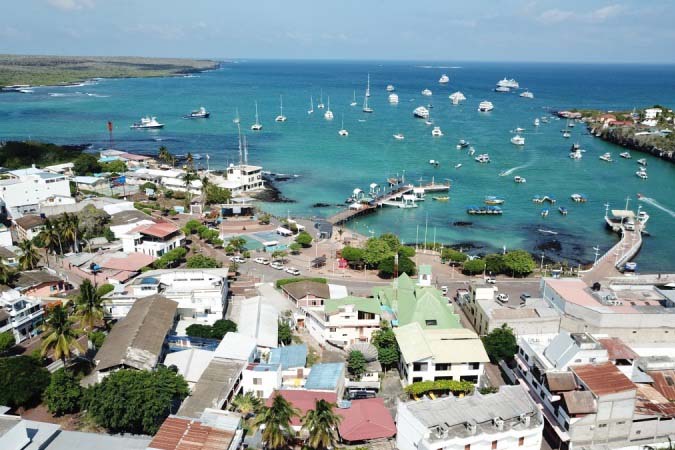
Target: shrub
{"x":284,"y":332}
{"x":405,"y":265}
{"x":202,"y":262}
{"x":356,"y":364}
{"x":64,"y":394}
{"x":105,"y":289}
{"x":216,"y":331}
{"x":449,"y":254}
{"x":97,"y":338}
{"x":439,"y":386}
{"x":22,"y":381}
{"x":304,"y":239}
{"x":7,"y":341}
{"x":473,"y":266}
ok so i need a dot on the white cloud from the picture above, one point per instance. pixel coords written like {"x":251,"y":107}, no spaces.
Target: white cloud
{"x":604,"y":13}
{"x":555,"y":16}
{"x":71,"y":5}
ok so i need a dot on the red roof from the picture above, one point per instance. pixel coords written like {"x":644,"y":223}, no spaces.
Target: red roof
{"x":366,"y":420}
{"x":664,"y":382}
{"x":302,"y":400}
{"x":129,"y":262}
{"x":603,"y":378}
{"x":159,"y":230}
{"x":186,"y":434}
{"x":617,"y":349}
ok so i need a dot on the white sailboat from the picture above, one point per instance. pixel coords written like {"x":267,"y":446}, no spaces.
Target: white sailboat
{"x":328,"y":115}
{"x":320,"y":104}
{"x":366,"y":108}
{"x":311,"y":105}
{"x":368,"y":87}
{"x":353,"y":103}
{"x":281,"y":117}
{"x":342,"y":131}
{"x":236,"y":116}
{"x":257,"y":126}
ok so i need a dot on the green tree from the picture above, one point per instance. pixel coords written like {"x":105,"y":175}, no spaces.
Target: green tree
{"x":148,"y":185}
{"x":500,"y":344}
{"x":199,"y":330}
{"x":7,"y":341}
{"x":104,"y":289}
{"x":86,"y":164}
{"x":454,"y":256}
{"x":264,"y":219}
{"x":352,"y":254}
{"x":216,"y":195}
{"x":279,"y":255}
{"x":406,"y":251}
{"x":384,"y":340}
{"x":70,"y":225}
{"x":304,"y":239}
{"x":238,"y":243}
{"x":170,"y":258}
{"x":165,"y":156}
{"x":388,"y":356}
{"x":50,"y":238}
{"x":494,"y":263}
{"x":191,"y":226}
{"x":321,"y":425}
{"x":92,"y":221}
{"x":58,"y":334}
{"x":356,"y":364}
{"x":22,"y":381}
{"x":64,"y":394}
{"x":295,"y":248}
{"x":246,"y":404}
{"x":6,"y":273}
{"x":392,"y":241}
{"x":135,"y":401}
{"x":117,"y":166}
{"x":88,"y":306}
{"x":221,"y":327}
{"x":473,"y":266}
{"x":376,"y":251}
{"x":387,"y":267}
{"x":285,"y":333}
{"x":30,"y":257}
{"x":518,"y":263}
{"x":202,"y":262}
{"x":276,"y":419}
{"x":97,"y":338}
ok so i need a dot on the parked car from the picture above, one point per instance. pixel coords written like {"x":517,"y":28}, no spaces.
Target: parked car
{"x":263,"y":261}
{"x":361,"y":394}
{"x":524,"y":296}
{"x":238,"y":259}
{"x":503,"y":297}
{"x":293,"y":271}
{"x":444,"y":290}
{"x":491,"y":280}
{"x":277,"y":265}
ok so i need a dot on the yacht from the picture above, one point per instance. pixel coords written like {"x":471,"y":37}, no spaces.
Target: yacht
{"x":562,"y":210}
{"x":519,"y":129}
{"x":536,"y":122}
{"x":342,"y":131}
{"x":485,"y":106}
{"x":518,"y":140}
{"x":366,"y":108}
{"x":281,"y":117}
{"x":399,"y":136}
{"x":519,"y":179}
{"x":578,"y":198}
{"x":544,"y":212}
{"x":320,"y":104}
{"x":458,"y":165}
{"x":328,"y":115}
{"x":642,"y":173}
{"x":483,"y":158}
{"x":427,"y":93}
{"x":502,"y":89}
{"x":257,"y":126}
{"x":462,"y":144}
{"x":311,"y":105}
{"x":625,"y":155}
{"x":436,"y":132}
{"x":434,"y":163}
{"x":200,"y":113}
{"x":642,"y":161}
{"x":457,"y":97}
{"x":368,"y":87}
{"x":493,"y":200}
{"x":421,"y":112}
{"x":147,"y":122}
{"x":444,"y":79}
{"x":353,"y":103}
{"x":606,"y":157}
{"x":527,"y":94}
{"x":576,"y":153}
{"x":511,"y":83}
{"x":390,"y":88}
{"x":393,"y":98}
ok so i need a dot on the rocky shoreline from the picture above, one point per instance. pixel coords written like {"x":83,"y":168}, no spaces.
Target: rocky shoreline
{"x":632,"y":142}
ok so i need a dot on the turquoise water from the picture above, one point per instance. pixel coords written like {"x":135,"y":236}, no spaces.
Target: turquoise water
{"x":330,"y":166}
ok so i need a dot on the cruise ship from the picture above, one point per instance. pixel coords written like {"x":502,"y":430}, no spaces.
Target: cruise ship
{"x":148,"y":122}
{"x":485,"y":106}
{"x":509,"y":83}
{"x":421,"y":112}
{"x":444,"y":79}
{"x":457,"y":97}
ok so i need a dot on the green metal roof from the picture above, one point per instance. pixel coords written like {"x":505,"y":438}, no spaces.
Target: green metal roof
{"x":370,"y":305}
{"x":424,"y":269}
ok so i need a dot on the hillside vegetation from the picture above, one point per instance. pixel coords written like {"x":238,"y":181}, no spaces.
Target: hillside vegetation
{"x":16,"y":155}
{"x":54,"y":70}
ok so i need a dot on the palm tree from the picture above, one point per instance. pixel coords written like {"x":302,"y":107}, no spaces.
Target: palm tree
{"x":71,"y":224}
{"x":190,"y":161}
{"x":321,"y":425}
{"x":50,"y":237}
{"x":277,"y":422}
{"x":205,"y":184}
{"x":59,"y":335}
{"x":246,"y":404}
{"x":6,"y":273}
{"x":30,"y":257}
{"x":188,"y":178}
{"x":164,"y":155}
{"x":88,"y":306}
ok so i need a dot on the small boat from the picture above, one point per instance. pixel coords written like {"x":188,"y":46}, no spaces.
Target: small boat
{"x":502,"y":89}
{"x":200,"y":113}
{"x":527,"y":94}
{"x":393,"y":98}
{"x":457,"y":166}
{"x":427,"y":93}
{"x":281,"y":117}
{"x":399,"y":136}
{"x":536,"y":122}
{"x":562,"y":210}
{"x":485,"y":106}
{"x":434,"y":163}
{"x":518,"y":140}
{"x":444,"y":79}
{"x":578,"y":198}
{"x":544,"y":212}
{"x":390,"y":88}
{"x":519,"y":179}
{"x":436,"y":132}
{"x":472,"y":151}
{"x":544,"y":231}
{"x":484,"y":210}
{"x":147,"y":123}
{"x":566,"y":134}
{"x":320,"y":105}
{"x":630,"y":267}
{"x":421,"y":112}
{"x":456,"y":97}
{"x":607,"y":157}
{"x":519,"y":129}
{"x":483,"y":158}
{"x":576,"y":154}
{"x":642,"y":161}
{"x":366,"y":108}
{"x":236,"y":119}
{"x":311,"y":106}
{"x":642,"y":173}
{"x":442,"y":198}
{"x":353,"y":103}
{"x":342,"y":131}
{"x":429,"y":121}
{"x":257,"y":126}
{"x":625,"y":155}
{"x":493,"y":200}
{"x":328,"y":115}
{"x":462,"y":144}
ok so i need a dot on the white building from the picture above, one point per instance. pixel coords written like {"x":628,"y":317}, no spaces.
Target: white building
{"x":506,"y":420}
{"x":243,"y":178}
{"x":261,"y":379}
{"x":259,"y":319}
{"x":20,"y":315}
{"x":652,"y":113}
{"x":344,"y":321}
{"x":446,"y":354}
{"x":152,"y":239}
{"x":24,"y":189}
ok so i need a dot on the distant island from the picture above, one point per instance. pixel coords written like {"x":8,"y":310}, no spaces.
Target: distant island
{"x":60,"y":70}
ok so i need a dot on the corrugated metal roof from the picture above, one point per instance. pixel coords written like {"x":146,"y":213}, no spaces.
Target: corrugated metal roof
{"x":579,"y":402}
{"x":603,"y":378}
{"x":184,"y":434}
{"x":325,"y":377}
{"x":289,"y":357}
{"x":560,"y":381}
{"x":365,"y":420}
{"x":617,"y":349}
{"x":664,"y":382}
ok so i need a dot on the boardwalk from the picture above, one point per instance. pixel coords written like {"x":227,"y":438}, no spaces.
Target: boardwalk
{"x":367,"y":208}
{"x":616,"y":257}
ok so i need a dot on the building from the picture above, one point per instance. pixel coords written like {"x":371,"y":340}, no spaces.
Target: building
{"x":19,"y":314}
{"x":214,"y":430}
{"x":431,"y":355}
{"x":289,"y":357}
{"x":327,"y":377}
{"x":40,"y":283}
{"x":9,"y":255}
{"x":191,"y":363}
{"x":23,"y":190}
{"x":262,"y":379}
{"x":405,"y":302}
{"x":652,"y":113}
{"x":505,"y":420}
{"x":28,"y":226}
{"x":307,"y":293}
{"x":344,"y":321}
{"x":243,"y":178}
{"x":153,"y":239}
{"x":90,"y":183}
{"x":259,"y":319}
{"x":634,"y":313}
{"x":5,"y":236}
{"x":138,"y":340}
{"x":488,"y":310}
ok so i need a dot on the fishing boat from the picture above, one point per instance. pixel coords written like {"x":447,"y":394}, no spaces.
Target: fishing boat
{"x":399,"y":136}
{"x":353,"y":103}
{"x":311,"y":106}
{"x":434,"y":162}
{"x":390,"y":88}
{"x":281,"y":117}
{"x":536,"y":122}
{"x":625,"y":155}
{"x":393,"y":98}
{"x":436,"y":132}
{"x":444,"y":79}
{"x":519,"y":179}
{"x":579,"y":198}
{"x":427,"y":93}
{"x":485,"y":106}
{"x":483,"y":158}
{"x":518,"y":140}
{"x":607,"y":157}
{"x":328,"y":115}
{"x":343,"y":131}
{"x":527,"y":94}
{"x":320,"y":105}
{"x":642,"y":173}
{"x":257,"y":126}
{"x":493,"y":200}
{"x":200,"y":113}
{"x":544,"y":212}
{"x":457,"y":97}
{"x":458,"y":165}
{"x":642,"y":161}
{"x":421,"y":112}
{"x":147,"y":122}
{"x":562,"y":210}
{"x":441,"y":198}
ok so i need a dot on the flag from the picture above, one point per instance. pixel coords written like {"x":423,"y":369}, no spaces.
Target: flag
{"x":110,"y":126}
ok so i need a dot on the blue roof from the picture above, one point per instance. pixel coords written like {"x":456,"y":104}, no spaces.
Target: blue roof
{"x":325,"y":377}
{"x":265,"y":367}
{"x":149,"y":280}
{"x":289,"y":357}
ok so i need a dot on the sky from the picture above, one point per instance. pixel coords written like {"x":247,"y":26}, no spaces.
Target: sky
{"x":638,"y":31}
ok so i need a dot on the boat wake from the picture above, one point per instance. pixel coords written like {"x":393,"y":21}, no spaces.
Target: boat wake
{"x":513,"y":169}
{"x":657,"y":205}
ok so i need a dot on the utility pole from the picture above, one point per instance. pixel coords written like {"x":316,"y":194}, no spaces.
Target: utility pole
{"x":597,"y":253}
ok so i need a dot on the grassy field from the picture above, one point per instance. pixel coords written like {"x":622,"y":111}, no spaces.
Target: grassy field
{"x":53,"y":70}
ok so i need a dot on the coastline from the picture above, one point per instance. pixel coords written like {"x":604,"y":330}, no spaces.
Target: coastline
{"x":632,"y":142}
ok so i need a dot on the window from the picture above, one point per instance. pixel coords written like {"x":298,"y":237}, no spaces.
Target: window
{"x":638,"y":431}
{"x":602,"y":425}
{"x":431,"y":322}
{"x":420,"y":367}
{"x":621,"y":423}
{"x":521,"y":441}
{"x":417,"y":379}
{"x":259,"y":394}
{"x":494,"y":445}
{"x":257,"y":381}
{"x":332,"y":330}
{"x":443,"y":366}
{"x":474,"y":366}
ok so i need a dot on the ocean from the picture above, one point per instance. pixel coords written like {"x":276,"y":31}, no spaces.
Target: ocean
{"x":330,"y":167}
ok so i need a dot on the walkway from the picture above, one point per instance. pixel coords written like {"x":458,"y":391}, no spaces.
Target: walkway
{"x":367,"y":208}
{"x":608,"y":265}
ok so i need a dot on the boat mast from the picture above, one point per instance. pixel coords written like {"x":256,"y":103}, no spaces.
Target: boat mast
{"x":240,"y":147}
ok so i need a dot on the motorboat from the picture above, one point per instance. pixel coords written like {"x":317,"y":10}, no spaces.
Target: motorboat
{"x":281,"y":117}
{"x":527,"y":94}
{"x":457,"y":97}
{"x":544,"y":212}
{"x":502,"y":89}
{"x":518,"y":140}
{"x":434,"y":162}
{"x":607,"y":157}
{"x":536,"y":122}
{"x":562,"y":210}
{"x":493,"y":200}
{"x":462,"y":144}
{"x":642,"y":173}
{"x":576,"y":153}
{"x":328,"y":115}
{"x":485,"y":106}
{"x":510,"y":83}
{"x":311,"y":106}
{"x":625,"y":155}
{"x":147,"y":122}
{"x":436,"y":132}
{"x":483,"y":158}
{"x":393,"y":98}
{"x":472,"y":151}
{"x":421,"y":112}
{"x":257,"y":126}
{"x":578,"y":198}
{"x":642,"y":161}
{"x":441,"y":198}
{"x":444,"y":79}
{"x":566,"y":134}
{"x":458,"y":165}
{"x":643,"y":217}
{"x":399,"y":136}
{"x":427,"y":93}
{"x":200,"y":113}
{"x":519,"y":130}
{"x":342,"y":131}
{"x":519,"y":179}
{"x":390,"y":88}
{"x":353,"y":103}
{"x":429,"y":121}
{"x":236,"y":119}
{"x":484,"y":210}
